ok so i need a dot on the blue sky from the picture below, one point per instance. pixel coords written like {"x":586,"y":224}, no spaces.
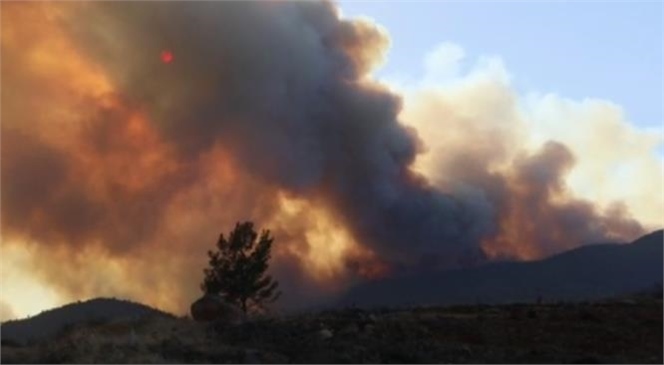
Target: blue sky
{"x":606,"y":50}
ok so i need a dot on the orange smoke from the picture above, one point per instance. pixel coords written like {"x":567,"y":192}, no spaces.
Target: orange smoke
{"x":330,"y":251}
{"x":119,"y":172}
{"x":122,"y":213}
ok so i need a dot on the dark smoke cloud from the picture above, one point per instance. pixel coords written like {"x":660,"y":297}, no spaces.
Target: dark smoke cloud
{"x":281,"y":86}
{"x":262,"y":99}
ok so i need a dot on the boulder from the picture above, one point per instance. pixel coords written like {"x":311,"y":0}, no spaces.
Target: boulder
{"x":212,"y":307}
{"x":325,"y":334}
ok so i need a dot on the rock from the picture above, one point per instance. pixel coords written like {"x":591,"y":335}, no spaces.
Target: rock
{"x":349,"y":330}
{"x":133,"y":340}
{"x":213,"y":308}
{"x":325,"y":334}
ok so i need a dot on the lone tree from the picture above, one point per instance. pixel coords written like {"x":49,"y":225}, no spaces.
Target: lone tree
{"x":237,"y":268}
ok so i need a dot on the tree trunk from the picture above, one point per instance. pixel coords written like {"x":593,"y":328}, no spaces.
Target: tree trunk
{"x":244,"y":305}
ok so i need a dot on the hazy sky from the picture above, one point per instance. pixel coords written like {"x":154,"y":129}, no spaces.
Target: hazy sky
{"x":605,"y":50}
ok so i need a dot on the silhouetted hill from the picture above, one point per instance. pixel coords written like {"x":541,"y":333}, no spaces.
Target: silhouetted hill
{"x":51,"y":322}
{"x":590,"y":272}
{"x":604,"y":332}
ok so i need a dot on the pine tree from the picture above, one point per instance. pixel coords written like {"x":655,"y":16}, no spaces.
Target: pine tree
{"x":237,"y":268}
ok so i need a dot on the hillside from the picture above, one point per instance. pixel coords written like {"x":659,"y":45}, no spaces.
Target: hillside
{"x":51,"y":322}
{"x":590,"y":272}
{"x":615,"y":331}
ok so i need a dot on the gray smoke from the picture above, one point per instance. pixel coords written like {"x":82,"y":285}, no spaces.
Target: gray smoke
{"x":262,"y":98}
{"x":283,"y":86}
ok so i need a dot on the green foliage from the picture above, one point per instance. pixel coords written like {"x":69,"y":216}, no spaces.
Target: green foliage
{"x":237,"y":268}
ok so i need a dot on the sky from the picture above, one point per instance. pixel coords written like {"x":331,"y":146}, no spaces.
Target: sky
{"x":432,"y":135}
{"x":591,"y":49}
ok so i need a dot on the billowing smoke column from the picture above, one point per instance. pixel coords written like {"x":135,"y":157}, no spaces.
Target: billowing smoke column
{"x":282,"y":87}
{"x":111,"y":153}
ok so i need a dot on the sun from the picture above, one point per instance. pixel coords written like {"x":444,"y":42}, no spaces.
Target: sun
{"x":21,"y":290}
{"x":166,"y":56}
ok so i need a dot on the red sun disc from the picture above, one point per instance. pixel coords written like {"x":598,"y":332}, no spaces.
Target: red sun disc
{"x":166,"y":56}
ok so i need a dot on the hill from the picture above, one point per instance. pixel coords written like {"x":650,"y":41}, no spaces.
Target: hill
{"x":587,"y":273}
{"x":51,"y":322}
{"x":611,"y":331}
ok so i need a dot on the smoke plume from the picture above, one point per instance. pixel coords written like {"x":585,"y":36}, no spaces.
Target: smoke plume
{"x":122,"y":169}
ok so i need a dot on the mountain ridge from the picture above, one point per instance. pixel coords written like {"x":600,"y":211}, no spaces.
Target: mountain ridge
{"x":590,"y":272}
